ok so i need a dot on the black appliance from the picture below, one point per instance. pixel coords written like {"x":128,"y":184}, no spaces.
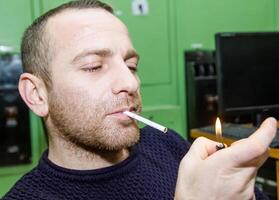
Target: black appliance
{"x":248,"y":69}
{"x":201,"y":94}
{"x":15,"y":140}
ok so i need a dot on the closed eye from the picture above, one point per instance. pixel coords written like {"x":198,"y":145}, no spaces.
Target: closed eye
{"x":92,"y":69}
{"x":132,"y":65}
{"x":133,"y":69}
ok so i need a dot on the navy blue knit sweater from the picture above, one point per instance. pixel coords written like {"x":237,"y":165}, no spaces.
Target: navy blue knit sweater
{"x":149,"y":172}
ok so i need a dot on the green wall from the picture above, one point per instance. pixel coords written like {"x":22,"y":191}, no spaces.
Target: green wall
{"x":199,"y":20}
{"x":276,"y":10}
{"x":161,"y":38}
{"x":15,"y":17}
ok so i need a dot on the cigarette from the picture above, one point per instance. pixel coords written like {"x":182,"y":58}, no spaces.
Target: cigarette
{"x":146,"y":121}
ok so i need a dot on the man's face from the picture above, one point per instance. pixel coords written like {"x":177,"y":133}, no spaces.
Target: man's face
{"x":94,"y":80}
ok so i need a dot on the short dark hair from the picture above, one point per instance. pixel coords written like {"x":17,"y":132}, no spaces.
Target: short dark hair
{"x":36,"y":52}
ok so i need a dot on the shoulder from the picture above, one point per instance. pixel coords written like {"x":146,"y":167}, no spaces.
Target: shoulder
{"x":25,"y":187}
{"x":170,"y":141}
{"x":260,"y":195}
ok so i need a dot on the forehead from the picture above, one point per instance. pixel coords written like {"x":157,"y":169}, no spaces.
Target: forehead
{"x":86,"y":27}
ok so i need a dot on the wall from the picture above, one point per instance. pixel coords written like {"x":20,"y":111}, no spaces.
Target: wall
{"x":199,"y":20}
{"x":276,"y":10}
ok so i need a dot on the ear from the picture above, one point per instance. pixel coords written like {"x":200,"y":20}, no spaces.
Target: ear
{"x":34,"y":93}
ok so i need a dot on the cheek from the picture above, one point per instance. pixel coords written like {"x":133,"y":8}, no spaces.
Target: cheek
{"x":86,"y":98}
{"x":82,"y":89}
{"x":98,"y":84}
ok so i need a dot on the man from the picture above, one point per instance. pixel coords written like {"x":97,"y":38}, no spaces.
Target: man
{"x":80,"y":76}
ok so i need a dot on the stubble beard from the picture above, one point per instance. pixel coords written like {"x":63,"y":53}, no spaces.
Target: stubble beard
{"x":86,"y":126}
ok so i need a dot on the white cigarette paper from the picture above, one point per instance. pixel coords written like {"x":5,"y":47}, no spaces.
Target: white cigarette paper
{"x":146,"y":121}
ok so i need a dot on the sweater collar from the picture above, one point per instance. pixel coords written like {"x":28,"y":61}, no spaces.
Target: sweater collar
{"x":48,"y":167}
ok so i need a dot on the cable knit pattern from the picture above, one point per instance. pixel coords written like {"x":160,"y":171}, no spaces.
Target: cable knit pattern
{"x":149,"y":172}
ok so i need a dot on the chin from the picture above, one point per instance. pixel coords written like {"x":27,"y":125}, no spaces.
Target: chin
{"x":121,"y":139}
{"x":108,"y":138}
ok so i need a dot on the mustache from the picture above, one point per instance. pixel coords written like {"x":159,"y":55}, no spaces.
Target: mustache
{"x":120,"y":102}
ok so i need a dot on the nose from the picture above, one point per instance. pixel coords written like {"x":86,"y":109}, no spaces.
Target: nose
{"x":125,"y":81}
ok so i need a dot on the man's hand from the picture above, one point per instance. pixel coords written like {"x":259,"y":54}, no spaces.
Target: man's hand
{"x":205,"y":173}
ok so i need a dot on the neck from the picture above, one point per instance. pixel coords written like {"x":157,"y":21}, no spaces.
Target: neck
{"x":68,"y":155}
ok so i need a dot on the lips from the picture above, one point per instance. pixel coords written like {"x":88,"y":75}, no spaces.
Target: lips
{"x":121,"y":110}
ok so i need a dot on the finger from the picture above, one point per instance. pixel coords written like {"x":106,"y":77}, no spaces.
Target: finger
{"x":203,"y":147}
{"x":267,"y":131}
{"x":257,"y":161}
{"x":200,"y":150}
{"x":256,"y":146}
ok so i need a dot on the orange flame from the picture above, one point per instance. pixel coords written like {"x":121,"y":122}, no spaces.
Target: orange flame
{"x":218,"y":130}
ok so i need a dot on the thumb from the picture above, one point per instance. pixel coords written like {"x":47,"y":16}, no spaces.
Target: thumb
{"x":255,"y":147}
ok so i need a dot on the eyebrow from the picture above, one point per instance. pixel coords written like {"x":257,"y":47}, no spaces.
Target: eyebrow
{"x":98,"y":52}
{"x":104,"y":53}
